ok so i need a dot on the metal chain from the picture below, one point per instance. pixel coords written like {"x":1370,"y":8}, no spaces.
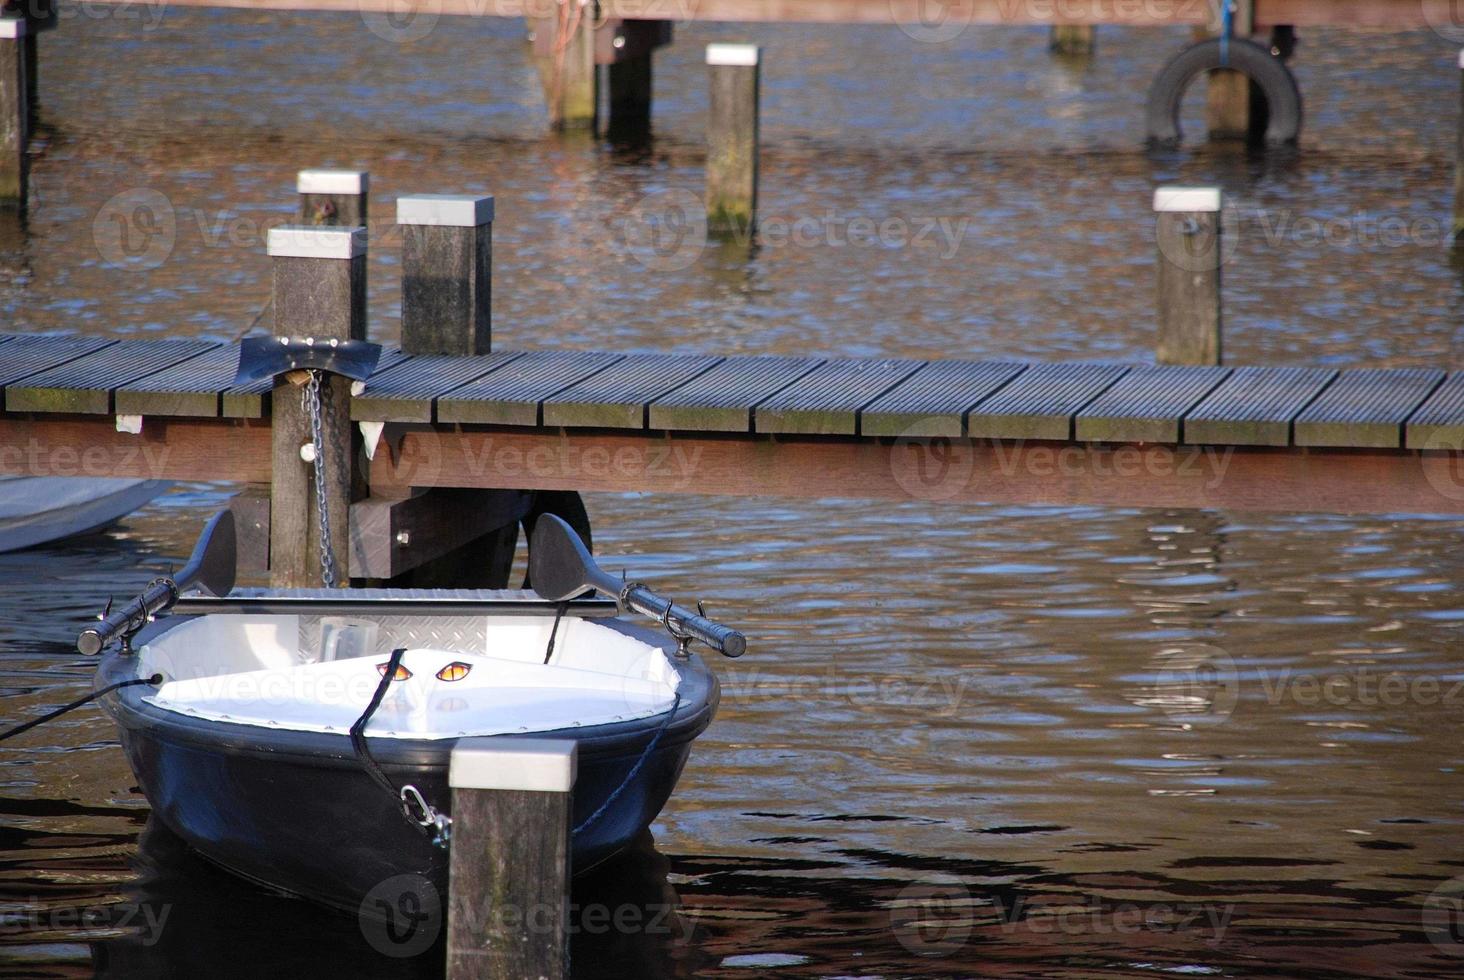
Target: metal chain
{"x":315,"y":398}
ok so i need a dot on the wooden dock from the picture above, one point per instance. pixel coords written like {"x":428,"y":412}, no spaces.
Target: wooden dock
{"x":1248,"y":438}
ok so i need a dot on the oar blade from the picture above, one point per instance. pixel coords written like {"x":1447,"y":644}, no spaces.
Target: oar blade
{"x":213,"y":565}
{"x":560,"y":565}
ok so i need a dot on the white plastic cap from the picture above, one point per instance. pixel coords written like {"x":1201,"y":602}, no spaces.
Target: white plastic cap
{"x":733,"y":54}
{"x":1187,"y":199}
{"x":545,"y":765}
{"x":450,"y":210}
{"x":312,"y":242}
{"x":332,"y":182}
{"x":11,"y":28}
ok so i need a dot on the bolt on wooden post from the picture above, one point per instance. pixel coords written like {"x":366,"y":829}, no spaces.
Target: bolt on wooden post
{"x":319,"y":291}
{"x":1187,"y":229}
{"x":333,"y":197}
{"x":508,"y":873}
{"x":14,"y":114}
{"x":732,"y":135}
{"x":447,"y":273}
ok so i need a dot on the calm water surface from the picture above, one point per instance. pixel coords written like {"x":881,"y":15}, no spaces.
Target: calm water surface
{"x":966,"y":741}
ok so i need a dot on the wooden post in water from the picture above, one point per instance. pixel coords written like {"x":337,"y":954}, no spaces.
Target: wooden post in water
{"x":1230,"y":96}
{"x":14,"y":114}
{"x":1072,"y":39}
{"x":333,"y":197}
{"x":564,"y":52}
{"x":1459,"y":162}
{"x":508,"y":884}
{"x":1187,"y":228}
{"x":447,"y":273}
{"x":319,"y":291}
{"x":732,"y":135}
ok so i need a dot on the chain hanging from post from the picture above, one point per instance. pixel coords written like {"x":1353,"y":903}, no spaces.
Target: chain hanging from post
{"x":315,"y":399}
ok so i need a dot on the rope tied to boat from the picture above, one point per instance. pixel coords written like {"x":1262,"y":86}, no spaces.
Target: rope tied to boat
{"x":634,"y":770}
{"x":432,"y":822}
{"x":154,"y":680}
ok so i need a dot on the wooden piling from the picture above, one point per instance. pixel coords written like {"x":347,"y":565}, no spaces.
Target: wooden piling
{"x":1458,"y":236}
{"x":630,"y":97}
{"x":14,"y":113}
{"x":1232,"y":101}
{"x":508,"y":884}
{"x":732,"y":137}
{"x":564,"y":53}
{"x":1071,"y":39}
{"x":319,"y":291}
{"x":1187,"y":228}
{"x":333,"y":197}
{"x":447,"y":273}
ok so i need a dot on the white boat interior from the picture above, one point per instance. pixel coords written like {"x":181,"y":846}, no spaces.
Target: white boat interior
{"x":462,"y":674}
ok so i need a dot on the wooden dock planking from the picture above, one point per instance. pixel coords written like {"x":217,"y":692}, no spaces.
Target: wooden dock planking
{"x":721,"y":400}
{"x":1041,"y":402}
{"x":1439,"y":422}
{"x":1255,"y":406}
{"x":85,"y":385}
{"x":1365,"y":408}
{"x":620,"y":396}
{"x":827,"y":400}
{"x":408,"y":391}
{"x":513,"y":394}
{"x":28,"y":355}
{"x":193,"y":388}
{"x":1146,"y":404}
{"x":935,"y":399}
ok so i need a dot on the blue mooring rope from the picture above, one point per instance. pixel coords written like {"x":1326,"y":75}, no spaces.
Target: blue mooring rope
{"x":630,"y":776}
{"x":1227,"y":28}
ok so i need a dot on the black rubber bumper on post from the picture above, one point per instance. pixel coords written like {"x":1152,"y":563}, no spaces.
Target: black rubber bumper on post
{"x":1283,"y":98}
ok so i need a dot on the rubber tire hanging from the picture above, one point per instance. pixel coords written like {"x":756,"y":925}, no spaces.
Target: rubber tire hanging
{"x":1166,"y":94}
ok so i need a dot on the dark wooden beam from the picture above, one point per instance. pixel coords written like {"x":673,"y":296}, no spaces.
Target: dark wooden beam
{"x":939,"y":470}
{"x":167,"y":449}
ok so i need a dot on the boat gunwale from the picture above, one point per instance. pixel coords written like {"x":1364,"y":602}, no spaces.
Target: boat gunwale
{"x":699,"y":688}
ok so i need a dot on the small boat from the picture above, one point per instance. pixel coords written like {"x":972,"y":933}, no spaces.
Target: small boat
{"x":37,"y":510}
{"x":301,"y":738}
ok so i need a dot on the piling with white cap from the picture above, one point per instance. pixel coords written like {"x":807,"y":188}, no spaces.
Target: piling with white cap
{"x":509,"y":867}
{"x":1187,"y":230}
{"x":447,"y":273}
{"x":14,"y":113}
{"x":732,"y":136}
{"x":319,"y":291}
{"x":333,"y":197}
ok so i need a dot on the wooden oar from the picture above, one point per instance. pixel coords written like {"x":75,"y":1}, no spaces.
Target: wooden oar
{"x":561,"y":568}
{"x":210,"y":568}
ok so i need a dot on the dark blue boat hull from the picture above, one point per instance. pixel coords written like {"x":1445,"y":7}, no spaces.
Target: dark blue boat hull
{"x":298,"y":812}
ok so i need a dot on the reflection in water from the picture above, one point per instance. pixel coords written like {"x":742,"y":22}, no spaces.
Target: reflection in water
{"x":986,"y":740}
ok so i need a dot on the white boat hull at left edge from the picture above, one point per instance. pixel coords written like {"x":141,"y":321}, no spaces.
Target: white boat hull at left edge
{"x":37,"y":510}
